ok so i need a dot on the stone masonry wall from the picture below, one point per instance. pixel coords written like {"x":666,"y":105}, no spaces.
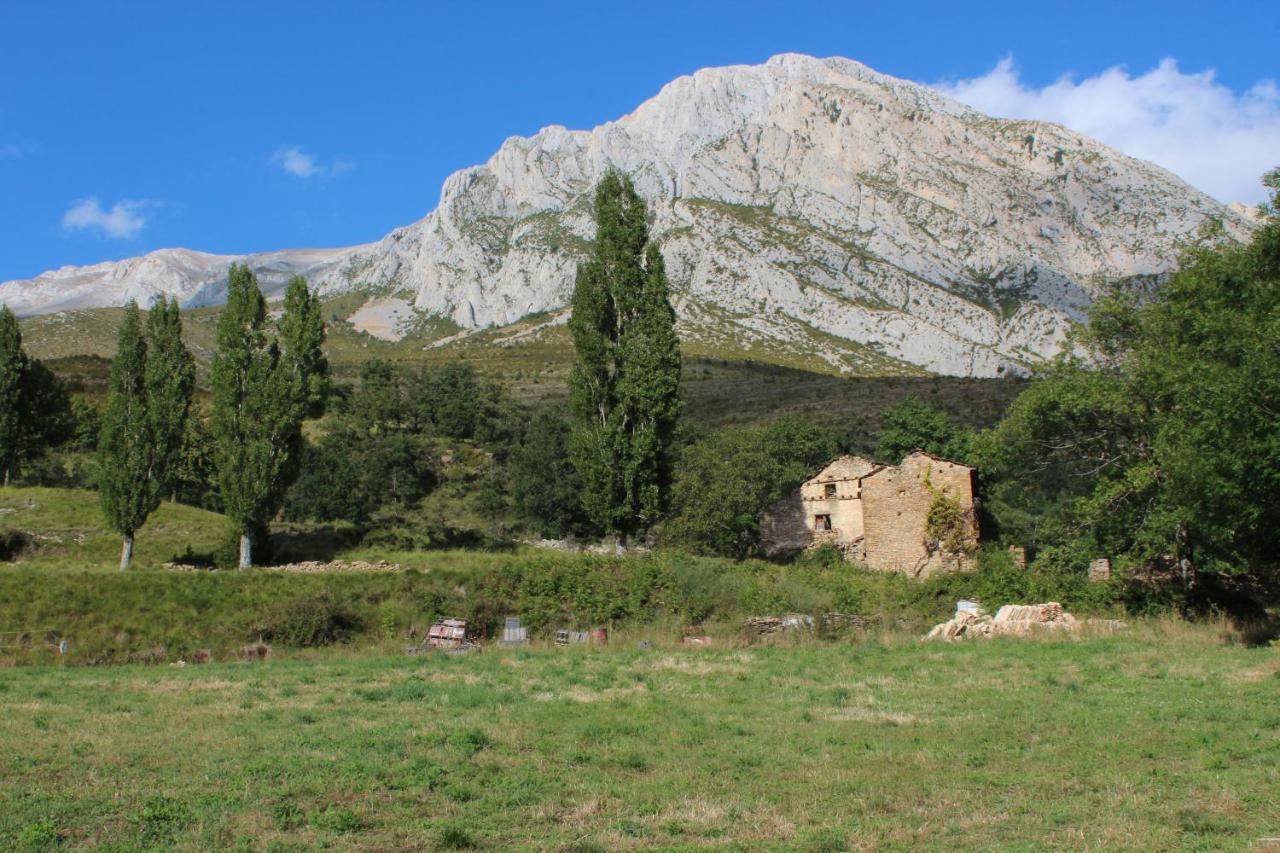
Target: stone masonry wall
{"x":789,"y":525}
{"x":896,"y":505}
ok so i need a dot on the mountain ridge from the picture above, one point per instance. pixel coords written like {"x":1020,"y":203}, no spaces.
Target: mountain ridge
{"x":798,"y":199}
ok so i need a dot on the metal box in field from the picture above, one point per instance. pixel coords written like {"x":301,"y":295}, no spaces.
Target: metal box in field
{"x":513,"y":633}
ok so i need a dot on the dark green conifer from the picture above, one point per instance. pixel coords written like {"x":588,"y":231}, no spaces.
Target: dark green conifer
{"x":12,"y":367}
{"x":170,"y":381}
{"x":126,"y":448}
{"x":626,"y":375}
{"x":261,"y":393}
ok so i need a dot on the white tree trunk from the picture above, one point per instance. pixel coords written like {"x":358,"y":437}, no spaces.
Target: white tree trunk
{"x":126,"y":553}
{"x":246,"y":551}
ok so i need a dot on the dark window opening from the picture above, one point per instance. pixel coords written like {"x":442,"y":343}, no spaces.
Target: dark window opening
{"x":822,"y":522}
{"x":830,"y":490}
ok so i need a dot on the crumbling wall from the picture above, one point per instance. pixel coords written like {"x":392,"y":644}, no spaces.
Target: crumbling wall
{"x":791,"y":524}
{"x":896,"y":504}
{"x":782,"y":527}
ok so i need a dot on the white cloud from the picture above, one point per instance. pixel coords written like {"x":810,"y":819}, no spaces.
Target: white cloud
{"x":125,"y":219}
{"x":1214,"y":138}
{"x":295,"y":161}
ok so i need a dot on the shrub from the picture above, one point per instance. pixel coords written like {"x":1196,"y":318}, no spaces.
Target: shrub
{"x":454,"y":837}
{"x":317,"y":620}
{"x":12,"y":544}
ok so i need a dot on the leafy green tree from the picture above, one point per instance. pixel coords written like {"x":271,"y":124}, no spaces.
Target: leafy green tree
{"x":127,"y":450}
{"x":35,"y":408}
{"x":195,"y":473}
{"x":626,"y":374}
{"x":725,"y":480}
{"x":379,"y":401}
{"x":544,"y":483}
{"x":261,"y":393}
{"x":170,"y":380}
{"x":12,"y":367}
{"x":915,"y":425}
{"x":351,"y":472}
{"x":45,"y":405}
{"x":302,"y":339}
{"x":87,"y":422}
{"x":1163,"y":444}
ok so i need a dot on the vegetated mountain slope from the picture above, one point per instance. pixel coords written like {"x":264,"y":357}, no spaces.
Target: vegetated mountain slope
{"x":863,"y":221}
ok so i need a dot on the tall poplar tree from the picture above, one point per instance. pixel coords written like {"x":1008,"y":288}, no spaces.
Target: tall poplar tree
{"x":12,"y":367}
{"x":170,"y":379}
{"x":625,"y":384}
{"x":126,"y":447}
{"x":262,"y":390}
{"x":302,"y":337}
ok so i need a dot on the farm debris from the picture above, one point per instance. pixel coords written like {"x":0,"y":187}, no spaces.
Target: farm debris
{"x":694,"y":635}
{"x":513,"y":633}
{"x":830,"y":623}
{"x":1013,"y":620}
{"x":447,"y":635}
{"x":763,"y":625}
{"x":255,"y":651}
{"x":594,"y":637}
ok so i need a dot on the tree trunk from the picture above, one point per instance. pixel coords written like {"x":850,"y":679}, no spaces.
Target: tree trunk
{"x":246,"y":551}
{"x":126,"y":553}
{"x":6,"y":477}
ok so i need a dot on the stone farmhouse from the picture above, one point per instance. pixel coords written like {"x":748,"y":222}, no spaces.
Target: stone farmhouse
{"x":878,"y":515}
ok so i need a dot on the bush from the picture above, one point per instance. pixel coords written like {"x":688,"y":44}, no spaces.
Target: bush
{"x":12,"y":544}
{"x":318,"y":620}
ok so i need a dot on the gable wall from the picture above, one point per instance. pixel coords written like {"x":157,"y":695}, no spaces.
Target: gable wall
{"x":896,"y":505}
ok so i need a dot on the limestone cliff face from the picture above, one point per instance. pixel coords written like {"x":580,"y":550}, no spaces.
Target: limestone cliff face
{"x":807,"y":202}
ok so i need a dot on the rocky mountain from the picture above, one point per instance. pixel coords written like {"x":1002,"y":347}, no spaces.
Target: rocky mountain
{"x":814,"y":204}
{"x":196,"y":279}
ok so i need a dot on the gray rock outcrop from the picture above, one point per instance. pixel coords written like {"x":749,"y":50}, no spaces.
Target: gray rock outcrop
{"x":815,"y":204}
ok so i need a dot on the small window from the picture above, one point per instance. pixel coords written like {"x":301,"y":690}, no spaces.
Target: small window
{"x":822,"y":522}
{"x":829,"y":490}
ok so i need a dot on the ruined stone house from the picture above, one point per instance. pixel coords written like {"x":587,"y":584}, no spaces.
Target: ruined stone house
{"x":878,"y":515}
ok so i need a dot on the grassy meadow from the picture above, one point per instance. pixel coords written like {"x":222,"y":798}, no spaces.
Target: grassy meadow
{"x":1164,"y":738}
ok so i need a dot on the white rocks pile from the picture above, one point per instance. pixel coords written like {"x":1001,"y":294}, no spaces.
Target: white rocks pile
{"x":309,"y":567}
{"x":1014,"y":620}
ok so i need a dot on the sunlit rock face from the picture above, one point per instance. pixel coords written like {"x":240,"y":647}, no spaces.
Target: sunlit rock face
{"x":806,"y":202}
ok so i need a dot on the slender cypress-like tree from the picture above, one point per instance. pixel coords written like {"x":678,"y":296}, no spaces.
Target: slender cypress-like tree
{"x":126,"y":448}
{"x":261,"y":394}
{"x":170,"y":380}
{"x":626,"y":375}
{"x":302,"y":337}
{"x":12,"y":367}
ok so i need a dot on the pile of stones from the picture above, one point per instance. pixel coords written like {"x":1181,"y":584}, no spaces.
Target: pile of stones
{"x":1013,"y":620}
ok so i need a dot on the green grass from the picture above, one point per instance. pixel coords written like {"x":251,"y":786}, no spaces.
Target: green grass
{"x":65,"y":583}
{"x":1165,"y":739}
{"x":64,"y":529}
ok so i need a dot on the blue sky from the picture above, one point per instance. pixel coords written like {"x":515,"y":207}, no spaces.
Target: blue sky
{"x":235,"y":127}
